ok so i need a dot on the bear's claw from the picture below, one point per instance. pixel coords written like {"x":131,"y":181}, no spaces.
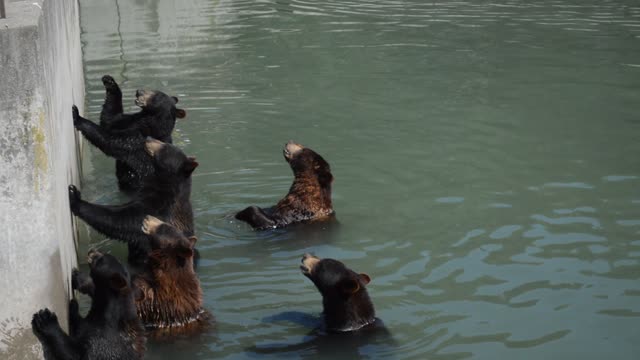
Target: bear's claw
{"x":74,"y":197}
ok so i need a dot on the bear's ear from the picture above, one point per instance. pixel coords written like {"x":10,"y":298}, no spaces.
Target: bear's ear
{"x":175,"y":99}
{"x":180,"y":113}
{"x":190,"y":165}
{"x":138,"y":294}
{"x":350,"y":286}
{"x":366,"y":279}
{"x":118,"y":282}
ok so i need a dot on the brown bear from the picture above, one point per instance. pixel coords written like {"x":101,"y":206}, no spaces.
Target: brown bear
{"x":172,"y":297}
{"x":309,"y":198}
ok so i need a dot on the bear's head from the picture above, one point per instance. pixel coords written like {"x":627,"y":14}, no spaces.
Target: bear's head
{"x":109,"y":276}
{"x":156,"y":101}
{"x":345,"y":300}
{"x":170,"y":248}
{"x":169,"y":160}
{"x":308,"y":164}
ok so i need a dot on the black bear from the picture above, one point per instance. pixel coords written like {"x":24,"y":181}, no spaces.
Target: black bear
{"x":348,"y":325}
{"x":111,"y":329}
{"x":172,"y":297}
{"x":345,"y":301}
{"x":309,"y":197}
{"x":165,"y":195}
{"x":121,"y":135}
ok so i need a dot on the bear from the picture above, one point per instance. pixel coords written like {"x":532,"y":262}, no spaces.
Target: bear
{"x":165,"y":195}
{"x":169,"y":295}
{"x":156,"y":118}
{"x":348,"y":323}
{"x":111,"y":329}
{"x":172,"y":296}
{"x":121,"y":135}
{"x":308,"y":199}
{"x":345,"y":300}
{"x":160,"y":127}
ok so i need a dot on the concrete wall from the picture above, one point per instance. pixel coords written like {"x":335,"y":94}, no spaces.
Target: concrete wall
{"x":41,"y":77}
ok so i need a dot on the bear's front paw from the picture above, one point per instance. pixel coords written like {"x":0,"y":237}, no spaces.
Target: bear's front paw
{"x":75,"y":279}
{"x":74,"y":198}
{"x":76,"y":115}
{"x":43,"y":322}
{"x":109,"y":83}
{"x":74,"y":308}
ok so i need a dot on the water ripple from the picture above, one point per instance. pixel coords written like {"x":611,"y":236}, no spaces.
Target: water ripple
{"x":481,"y":154}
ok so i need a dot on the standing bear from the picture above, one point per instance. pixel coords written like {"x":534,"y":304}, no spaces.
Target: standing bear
{"x":169,"y":300}
{"x":309,"y":198}
{"x":122,"y":136}
{"x":165,"y":195}
{"x":111,"y":329}
{"x":172,"y":297}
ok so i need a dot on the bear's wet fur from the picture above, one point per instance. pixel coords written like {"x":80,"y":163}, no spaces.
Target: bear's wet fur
{"x":165,"y":195}
{"x":172,"y":296}
{"x":122,"y":136}
{"x":111,"y":329}
{"x":345,"y":300}
{"x":308,"y":199}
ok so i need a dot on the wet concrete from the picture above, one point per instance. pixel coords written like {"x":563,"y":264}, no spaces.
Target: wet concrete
{"x":42,"y":77}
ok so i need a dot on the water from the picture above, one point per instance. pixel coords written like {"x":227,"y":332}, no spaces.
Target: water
{"x":485,"y":157}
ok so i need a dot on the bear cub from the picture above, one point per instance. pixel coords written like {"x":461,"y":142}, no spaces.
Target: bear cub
{"x":172,"y":297}
{"x":111,"y":329}
{"x":166,"y":195}
{"x":309,"y":197}
{"x":156,"y":118}
{"x":345,"y":300}
{"x":122,"y":136}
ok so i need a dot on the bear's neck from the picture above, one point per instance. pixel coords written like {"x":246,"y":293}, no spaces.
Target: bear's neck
{"x":174,"y":299}
{"x":311,"y":194}
{"x":114,"y":311}
{"x":350,"y":314}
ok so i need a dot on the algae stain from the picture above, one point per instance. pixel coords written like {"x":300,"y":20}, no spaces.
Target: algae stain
{"x":41,"y":162}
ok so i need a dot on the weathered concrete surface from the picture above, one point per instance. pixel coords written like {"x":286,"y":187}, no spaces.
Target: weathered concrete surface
{"x":41,"y":72}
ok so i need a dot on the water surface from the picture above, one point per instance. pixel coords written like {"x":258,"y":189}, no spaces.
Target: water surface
{"x":485,"y":157}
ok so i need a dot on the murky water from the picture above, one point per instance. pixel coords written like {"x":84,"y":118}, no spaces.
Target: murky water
{"x":485,"y":157}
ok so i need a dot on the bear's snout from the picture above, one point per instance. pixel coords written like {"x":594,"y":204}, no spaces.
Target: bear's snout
{"x":308,"y":263}
{"x":93,"y":256}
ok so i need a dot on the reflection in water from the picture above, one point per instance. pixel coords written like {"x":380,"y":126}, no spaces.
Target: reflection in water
{"x":483,"y":154}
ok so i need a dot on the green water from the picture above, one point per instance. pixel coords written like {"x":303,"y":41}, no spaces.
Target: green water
{"x":485,"y":157}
